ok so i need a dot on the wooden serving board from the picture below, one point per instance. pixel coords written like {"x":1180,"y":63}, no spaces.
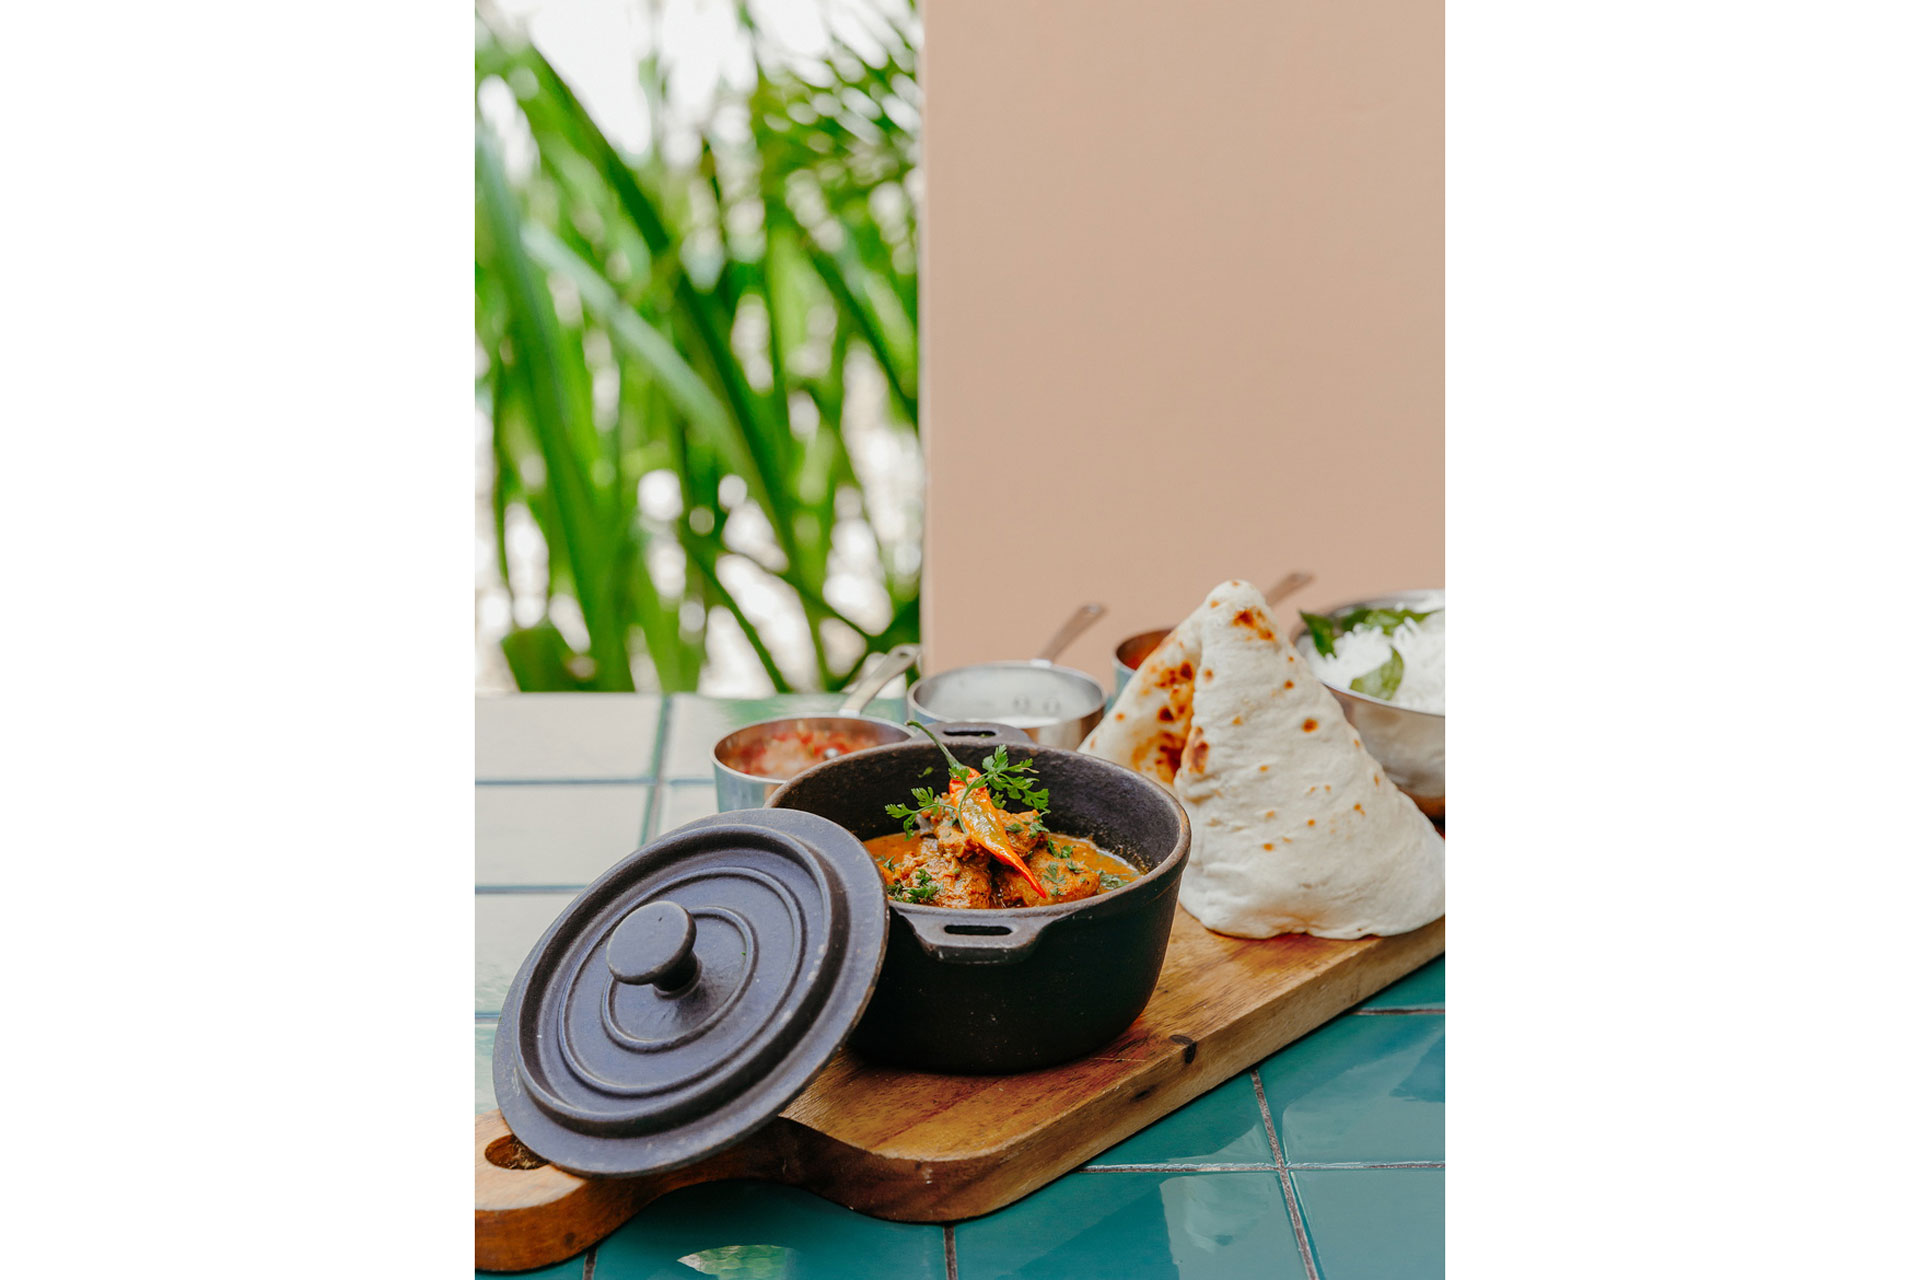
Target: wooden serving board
{"x":917,"y":1147}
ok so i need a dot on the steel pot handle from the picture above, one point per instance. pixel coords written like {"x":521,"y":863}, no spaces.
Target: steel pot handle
{"x":1083,"y":617}
{"x":986,"y":733}
{"x":897,"y":659}
{"x":1287,"y":586}
{"x":957,"y":942}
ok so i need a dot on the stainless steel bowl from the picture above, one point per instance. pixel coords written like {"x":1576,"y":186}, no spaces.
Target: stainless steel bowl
{"x":1410,"y":745}
{"x":735,"y":788}
{"x":1131,"y":652}
{"x":1055,"y":706}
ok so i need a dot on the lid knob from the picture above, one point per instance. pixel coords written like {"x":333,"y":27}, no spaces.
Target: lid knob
{"x":654,"y":944}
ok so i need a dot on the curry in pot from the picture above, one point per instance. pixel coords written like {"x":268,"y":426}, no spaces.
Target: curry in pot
{"x":983,"y":842}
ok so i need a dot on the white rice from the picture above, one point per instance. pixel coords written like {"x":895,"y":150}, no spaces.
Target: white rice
{"x":1422,"y":646}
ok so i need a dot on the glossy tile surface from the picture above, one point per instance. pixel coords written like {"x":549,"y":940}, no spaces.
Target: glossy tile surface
{"x":695,"y":723}
{"x":1222,"y":1126}
{"x":483,"y":1099}
{"x":1143,"y":1226}
{"x":680,"y":803}
{"x":505,"y":927}
{"x":1424,"y":988}
{"x":1362,"y":1089}
{"x":755,"y":1230}
{"x":554,"y":835}
{"x":565,"y":735}
{"x":1376,"y":1224}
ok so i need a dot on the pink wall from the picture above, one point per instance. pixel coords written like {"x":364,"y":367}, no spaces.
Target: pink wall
{"x":1181,"y":309}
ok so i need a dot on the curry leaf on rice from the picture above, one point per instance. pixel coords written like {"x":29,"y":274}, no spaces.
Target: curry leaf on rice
{"x":1320,"y":628}
{"x":1384,"y":680}
{"x":1385,"y":619}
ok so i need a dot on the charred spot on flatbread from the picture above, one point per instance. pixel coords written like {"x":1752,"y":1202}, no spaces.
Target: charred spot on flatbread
{"x":1252,"y":621}
{"x":1159,"y":756}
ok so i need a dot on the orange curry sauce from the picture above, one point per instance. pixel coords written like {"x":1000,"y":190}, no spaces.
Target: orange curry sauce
{"x":1071,"y":868}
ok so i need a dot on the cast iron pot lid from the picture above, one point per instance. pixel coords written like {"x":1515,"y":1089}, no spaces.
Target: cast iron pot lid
{"x":690,"y":993}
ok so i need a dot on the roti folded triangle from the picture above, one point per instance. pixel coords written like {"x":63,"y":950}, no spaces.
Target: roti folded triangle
{"x":1296,"y":828}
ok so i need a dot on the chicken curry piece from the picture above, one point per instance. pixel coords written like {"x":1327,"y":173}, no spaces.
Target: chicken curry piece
{"x":917,"y":869}
{"x":984,"y":843}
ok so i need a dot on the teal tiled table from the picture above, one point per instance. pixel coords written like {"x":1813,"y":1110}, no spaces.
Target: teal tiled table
{"x":1326,"y":1160}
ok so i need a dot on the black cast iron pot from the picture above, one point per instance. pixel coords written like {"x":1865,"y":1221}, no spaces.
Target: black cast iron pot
{"x":986,"y":992}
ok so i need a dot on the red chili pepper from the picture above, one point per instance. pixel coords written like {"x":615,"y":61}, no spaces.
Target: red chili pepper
{"x":985,"y":826}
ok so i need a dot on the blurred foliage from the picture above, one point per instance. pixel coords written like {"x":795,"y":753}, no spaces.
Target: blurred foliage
{"x":637,"y":315}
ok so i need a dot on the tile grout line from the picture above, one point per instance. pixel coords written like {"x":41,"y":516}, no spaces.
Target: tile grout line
{"x":1286,"y":1179}
{"x":659,"y":767}
{"x":593,"y":1259}
{"x":1266,"y":1116}
{"x":1418,"y":1008}
{"x":1173,"y":1166}
{"x":952,"y":1250}
{"x":1322,"y":1166}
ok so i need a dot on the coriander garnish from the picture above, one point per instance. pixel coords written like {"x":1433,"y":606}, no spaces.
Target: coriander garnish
{"x":922,"y":891}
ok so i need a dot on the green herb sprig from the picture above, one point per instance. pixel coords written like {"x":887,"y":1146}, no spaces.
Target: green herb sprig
{"x":926,"y":800}
{"x":922,"y":891}
{"x":1013,"y":783}
{"x":1010,"y":781}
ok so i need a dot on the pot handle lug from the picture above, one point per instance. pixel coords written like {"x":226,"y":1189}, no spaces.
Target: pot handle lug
{"x":897,"y":660}
{"x":957,"y":942}
{"x":979,"y":732}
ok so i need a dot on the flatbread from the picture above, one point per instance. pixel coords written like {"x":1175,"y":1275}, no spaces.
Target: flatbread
{"x":1296,"y":828}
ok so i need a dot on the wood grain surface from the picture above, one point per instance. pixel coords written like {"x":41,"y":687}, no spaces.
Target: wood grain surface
{"x":917,"y":1147}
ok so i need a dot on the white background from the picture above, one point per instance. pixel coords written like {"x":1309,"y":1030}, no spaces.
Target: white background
{"x":1682,"y":336}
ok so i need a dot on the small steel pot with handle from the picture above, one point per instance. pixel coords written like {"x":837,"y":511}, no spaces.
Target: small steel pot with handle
{"x":735,"y":788}
{"x":1054,"y":706}
{"x":991,"y":991}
